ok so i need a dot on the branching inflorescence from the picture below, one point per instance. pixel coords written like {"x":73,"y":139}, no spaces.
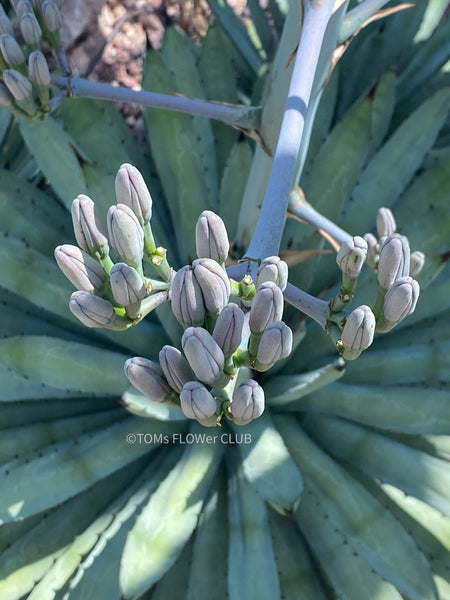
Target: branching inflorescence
{"x":231,"y":328}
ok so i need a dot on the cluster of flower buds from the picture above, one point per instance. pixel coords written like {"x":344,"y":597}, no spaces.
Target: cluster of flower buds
{"x":395,"y":266}
{"x":227,"y":325}
{"x":24,"y":72}
{"x":118,"y":295}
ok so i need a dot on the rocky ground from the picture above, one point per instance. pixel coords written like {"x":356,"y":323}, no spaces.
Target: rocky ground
{"x":108,"y":38}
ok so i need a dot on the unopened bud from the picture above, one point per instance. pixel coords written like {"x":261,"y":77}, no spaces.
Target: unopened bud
{"x":394,"y":260}
{"x":385,"y":222}
{"x":21,"y":89}
{"x":31,"y":31}
{"x":6,"y":25}
{"x":91,"y":310}
{"x":127,"y":285}
{"x":358,"y":332}
{"x":87,"y":227}
{"x":187,"y":300}
{"x":175,"y":367}
{"x":211,"y":237}
{"x":372,"y":248}
{"x":126,"y":234}
{"x":273,"y":269}
{"x":38,"y":70}
{"x":351,"y":256}
{"x":204,"y":356}
{"x":400,"y":301}
{"x":197,"y":403}
{"x":11,"y":51}
{"x":214,"y":284}
{"x":416,"y":263}
{"x":228,"y":329}
{"x":275,"y":344}
{"x":51,"y":16}
{"x":248,"y":402}
{"x":23,"y":7}
{"x":267,"y":307}
{"x":132,"y":191}
{"x":6,"y":98}
{"x":83,"y":271}
{"x":148,"y":378}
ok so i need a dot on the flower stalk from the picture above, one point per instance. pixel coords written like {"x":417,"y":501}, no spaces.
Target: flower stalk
{"x":266,"y":238}
{"x":243,"y":117}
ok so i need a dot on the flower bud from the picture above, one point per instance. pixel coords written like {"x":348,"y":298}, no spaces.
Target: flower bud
{"x":204,"y":356}
{"x":6,"y":25}
{"x":148,"y":378}
{"x":51,"y":16}
{"x":385,"y":222}
{"x":127,"y":285}
{"x":31,"y":31}
{"x":228,"y":329}
{"x":187,"y":300}
{"x":126,"y":234}
{"x":175,"y":367}
{"x":6,"y":98}
{"x":401,"y":299}
{"x":273,"y":269}
{"x":214,"y":284}
{"x":91,"y":310}
{"x":87,"y":227}
{"x":351,"y":256}
{"x":17,"y":84}
{"x":11,"y":51}
{"x":248,"y":402}
{"x":211,"y":237}
{"x":132,"y":191}
{"x":275,"y":344}
{"x":83,"y":271}
{"x":23,"y":7}
{"x":416,"y":262}
{"x":38,"y":69}
{"x":197,"y":403}
{"x":394,"y":260}
{"x":267,"y":307}
{"x":372,"y":248}
{"x":358,"y":332}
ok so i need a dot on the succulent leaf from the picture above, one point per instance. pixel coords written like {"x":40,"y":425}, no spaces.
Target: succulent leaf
{"x":268,"y":465}
{"x":328,"y":480}
{"x":56,"y":155}
{"x":252,"y":569}
{"x":153,"y":545}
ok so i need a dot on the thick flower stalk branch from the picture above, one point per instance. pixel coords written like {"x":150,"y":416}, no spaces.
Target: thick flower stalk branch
{"x":266,"y":238}
{"x":243,"y":117}
{"x":313,"y":307}
{"x":302,"y":210}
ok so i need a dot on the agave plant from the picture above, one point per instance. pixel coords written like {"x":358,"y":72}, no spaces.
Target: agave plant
{"x":339,"y":488}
